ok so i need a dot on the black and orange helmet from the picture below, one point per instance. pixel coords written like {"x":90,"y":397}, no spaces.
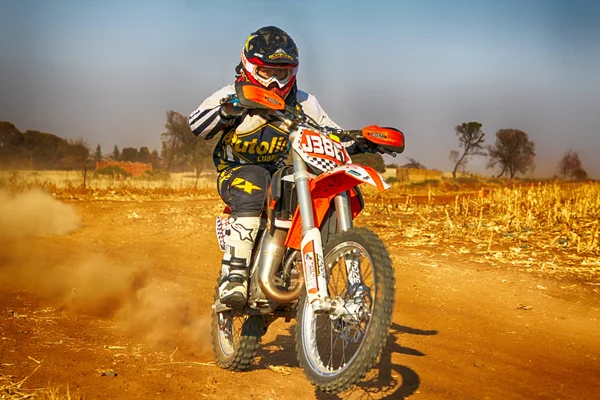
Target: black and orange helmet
{"x":270,"y":59}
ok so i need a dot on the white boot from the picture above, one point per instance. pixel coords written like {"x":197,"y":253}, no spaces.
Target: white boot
{"x":233,"y":288}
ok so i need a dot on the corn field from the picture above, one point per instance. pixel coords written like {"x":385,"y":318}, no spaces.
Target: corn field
{"x":551,"y":227}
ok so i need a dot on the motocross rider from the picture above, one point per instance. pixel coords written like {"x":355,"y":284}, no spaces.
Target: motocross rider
{"x":251,"y":147}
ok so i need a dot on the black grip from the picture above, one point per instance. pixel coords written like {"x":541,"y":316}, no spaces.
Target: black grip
{"x":353,"y":134}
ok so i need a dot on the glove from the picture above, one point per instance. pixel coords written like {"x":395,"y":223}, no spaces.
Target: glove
{"x":365,"y":146}
{"x":231,"y":109}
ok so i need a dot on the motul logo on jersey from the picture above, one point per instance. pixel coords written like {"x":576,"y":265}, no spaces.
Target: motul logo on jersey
{"x":276,"y":145}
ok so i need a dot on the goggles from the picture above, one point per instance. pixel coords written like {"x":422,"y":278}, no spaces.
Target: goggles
{"x":268,"y":75}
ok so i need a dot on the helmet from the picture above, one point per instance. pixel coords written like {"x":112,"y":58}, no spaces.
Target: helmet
{"x":270,"y":59}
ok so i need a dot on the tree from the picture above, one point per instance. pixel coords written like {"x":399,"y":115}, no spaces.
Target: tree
{"x":144,"y":155}
{"x":175,"y":139}
{"x":513,"y":151}
{"x":44,"y":150}
{"x":129,"y":154}
{"x":412,"y":163}
{"x":75,"y":155}
{"x":453,"y":156}
{"x":580,"y":174}
{"x":374,"y":161}
{"x":98,"y":153}
{"x":40,"y":150}
{"x":11,"y":144}
{"x":569,"y":164}
{"x":470,"y":137}
{"x":180,"y":147}
{"x":116,"y":155}
{"x":154,"y":159}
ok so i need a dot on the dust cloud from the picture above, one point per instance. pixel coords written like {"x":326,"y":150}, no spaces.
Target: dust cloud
{"x":36,"y":257}
{"x":36,"y":213}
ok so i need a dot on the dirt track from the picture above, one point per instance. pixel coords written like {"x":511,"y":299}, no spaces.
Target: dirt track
{"x":130,"y":291}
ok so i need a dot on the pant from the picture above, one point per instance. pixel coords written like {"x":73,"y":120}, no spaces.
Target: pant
{"x":244,"y":190}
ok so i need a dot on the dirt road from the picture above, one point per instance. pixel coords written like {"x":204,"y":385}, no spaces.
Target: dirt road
{"x":128,"y":292}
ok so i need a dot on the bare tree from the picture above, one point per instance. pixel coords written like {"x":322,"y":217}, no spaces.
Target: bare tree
{"x":470,"y":137}
{"x":513,"y":151}
{"x":175,"y":139}
{"x":180,"y":147}
{"x":412,"y":163}
{"x":569,"y":164}
{"x":453,"y":156}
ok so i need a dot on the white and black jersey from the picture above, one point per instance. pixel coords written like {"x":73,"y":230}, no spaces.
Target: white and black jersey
{"x":251,"y":139}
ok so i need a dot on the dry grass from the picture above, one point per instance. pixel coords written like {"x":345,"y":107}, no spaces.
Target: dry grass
{"x":70,"y":185}
{"x":551,"y":227}
{"x":546,"y":227}
{"x":11,"y":390}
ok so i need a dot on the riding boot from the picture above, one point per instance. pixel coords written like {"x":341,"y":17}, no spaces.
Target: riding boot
{"x":233,"y":287}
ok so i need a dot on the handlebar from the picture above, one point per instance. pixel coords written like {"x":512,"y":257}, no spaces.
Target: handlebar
{"x":292,"y":116}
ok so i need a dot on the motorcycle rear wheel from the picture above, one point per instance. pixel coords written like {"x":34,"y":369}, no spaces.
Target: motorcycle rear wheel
{"x":336,"y":352}
{"x":235,"y":338}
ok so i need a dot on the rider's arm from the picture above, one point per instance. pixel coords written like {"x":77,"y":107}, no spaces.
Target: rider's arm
{"x":206,"y":121}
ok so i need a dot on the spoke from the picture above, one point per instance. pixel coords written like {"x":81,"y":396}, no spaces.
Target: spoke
{"x":336,"y":339}
{"x":351,"y":315}
{"x":333,"y":280}
{"x":330,"y":362}
{"x":346,"y":334}
{"x":346,"y":286}
{"x":343,"y":353}
{"x":337,"y":281}
{"x":321,"y":325}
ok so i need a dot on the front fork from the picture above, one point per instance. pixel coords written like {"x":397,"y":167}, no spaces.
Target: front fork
{"x":313,"y":261}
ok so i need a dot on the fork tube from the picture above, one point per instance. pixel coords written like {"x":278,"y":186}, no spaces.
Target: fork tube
{"x":301,"y":178}
{"x":342,"y":208}
{"x":313,"y":262}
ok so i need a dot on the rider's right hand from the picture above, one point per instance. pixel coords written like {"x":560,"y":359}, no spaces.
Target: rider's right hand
{"x":231,"y":109}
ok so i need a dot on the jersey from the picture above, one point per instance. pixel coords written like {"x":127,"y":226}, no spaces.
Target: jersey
{"x":252,"y":139}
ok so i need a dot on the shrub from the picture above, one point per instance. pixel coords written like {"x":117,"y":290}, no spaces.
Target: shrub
{"x":580,"y":174}
{"x":467,"y":180}
{"x":112,"y":170}
{"x":157,"y":175}
{"x":427,"y":182}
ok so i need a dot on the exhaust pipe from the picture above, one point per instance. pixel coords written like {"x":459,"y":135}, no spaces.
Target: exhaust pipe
{"x":271,"y":256}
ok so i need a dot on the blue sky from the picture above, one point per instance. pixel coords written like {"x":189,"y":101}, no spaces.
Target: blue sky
{"x":107,"y":71}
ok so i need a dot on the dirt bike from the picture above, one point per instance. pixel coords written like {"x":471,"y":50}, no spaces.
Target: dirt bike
{"x":309,"y":262}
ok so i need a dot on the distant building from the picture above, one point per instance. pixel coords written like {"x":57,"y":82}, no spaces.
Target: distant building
{"x":135,"y":169}
{"x":417,"y":175}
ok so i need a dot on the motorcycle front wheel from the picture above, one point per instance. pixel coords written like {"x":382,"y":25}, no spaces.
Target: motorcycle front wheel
{"x":337,"y":349}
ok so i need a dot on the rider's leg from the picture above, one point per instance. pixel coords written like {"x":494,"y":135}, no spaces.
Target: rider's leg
{"x":244,"y":190}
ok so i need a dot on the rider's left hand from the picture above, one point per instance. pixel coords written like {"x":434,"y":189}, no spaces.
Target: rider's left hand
{"x":366,"y":146}
{"x":231,"y":109}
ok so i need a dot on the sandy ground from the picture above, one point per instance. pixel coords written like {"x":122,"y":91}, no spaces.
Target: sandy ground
{"x":113,"y":302}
